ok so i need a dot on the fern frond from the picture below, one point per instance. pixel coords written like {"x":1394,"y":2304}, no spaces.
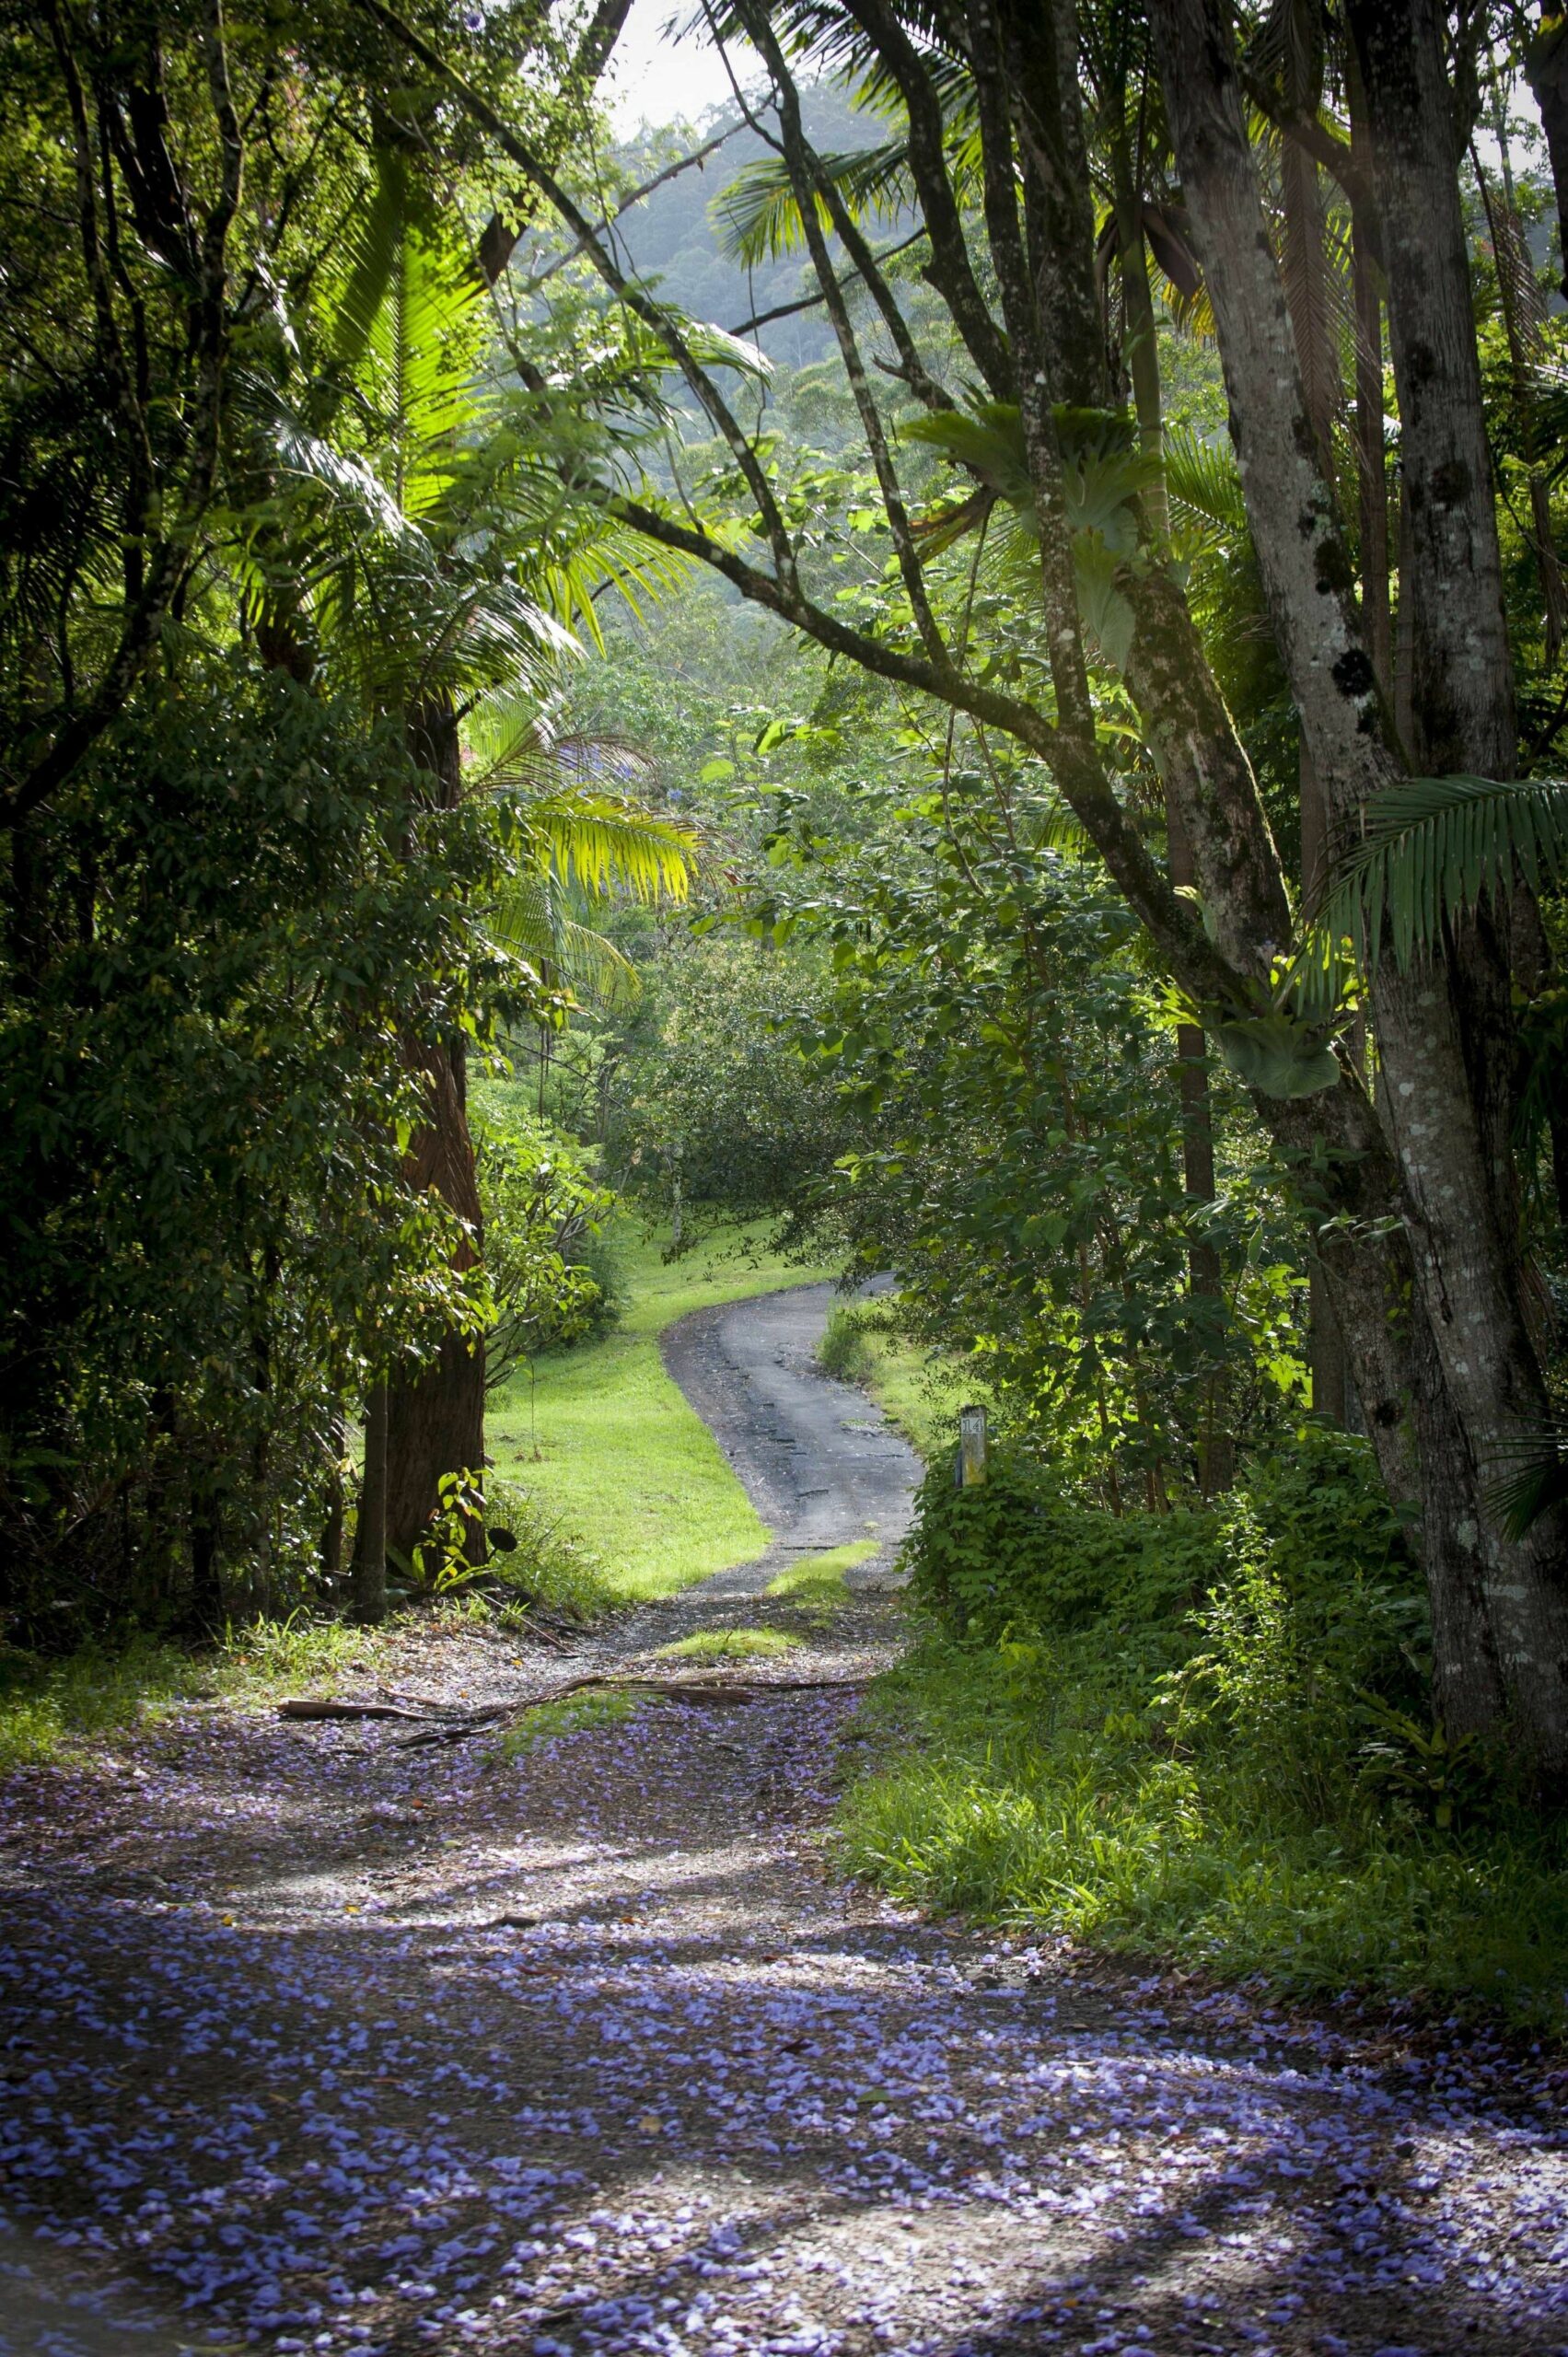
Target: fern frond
{"x":1434,"y":847}
{"x":1204,"y":484}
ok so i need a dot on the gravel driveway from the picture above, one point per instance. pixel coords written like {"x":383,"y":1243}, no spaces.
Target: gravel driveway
{"x":352,"y":2047}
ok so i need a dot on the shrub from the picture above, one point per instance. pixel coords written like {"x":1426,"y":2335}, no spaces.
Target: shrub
{"x":1018,"y":1551}
{"x":1205,"y":1734}
{"x":844,"y":1350}
{"x":1303,"y":1558}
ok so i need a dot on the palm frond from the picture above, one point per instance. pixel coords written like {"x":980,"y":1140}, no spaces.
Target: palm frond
{"x":605,"y":843}
{"x":1432,"y":848}
{"x":1204,"y":484}
{"x":756,"y":216}
{"x":529,"y":921}
{"x":1533,"y":1479}
{"x":371,"y":246}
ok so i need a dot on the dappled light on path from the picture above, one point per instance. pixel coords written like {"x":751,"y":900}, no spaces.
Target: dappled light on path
{"x":582,"y":2052}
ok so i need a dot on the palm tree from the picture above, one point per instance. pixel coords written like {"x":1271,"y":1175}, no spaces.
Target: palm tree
{"x":439,"y":561}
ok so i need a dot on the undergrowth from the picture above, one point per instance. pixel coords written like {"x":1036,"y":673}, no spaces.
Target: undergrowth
{"x":547,"y":1564}
{"x":1204,"y":1735}
{"x":52,"y":1707}
{"x":46,"y":1706}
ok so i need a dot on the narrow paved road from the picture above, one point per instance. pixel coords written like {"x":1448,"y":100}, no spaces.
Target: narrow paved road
{"x":578,"y":2048}
{"x":820,"y":1464}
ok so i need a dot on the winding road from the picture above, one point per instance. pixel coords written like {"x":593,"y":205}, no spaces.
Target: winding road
{"x":311,"y":2042}
{"x":820,"y":1463}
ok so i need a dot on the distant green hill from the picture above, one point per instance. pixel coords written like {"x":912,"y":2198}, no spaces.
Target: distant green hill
{"x":671,"y":234}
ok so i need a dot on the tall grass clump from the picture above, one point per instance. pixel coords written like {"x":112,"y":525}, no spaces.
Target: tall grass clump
{"x":1205,"y":1733}
{"x":546,"y":1564}
{"x":845,"y":1351}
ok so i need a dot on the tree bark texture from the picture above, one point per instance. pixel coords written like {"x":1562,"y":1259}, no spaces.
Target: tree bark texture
{"x":1205,"y":1276}
{"x":1372,"y":468}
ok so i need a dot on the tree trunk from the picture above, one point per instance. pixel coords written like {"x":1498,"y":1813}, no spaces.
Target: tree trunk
{"x":1205,"y":1277}
{"x":1546,"y":62}
{"x":333,"y":1528}
{"x":368,"y":1596}
{"x":1317,"y":352}
{"x":1483,"y":1387}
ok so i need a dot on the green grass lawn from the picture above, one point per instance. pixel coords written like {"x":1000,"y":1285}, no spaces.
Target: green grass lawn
{"x":631,"y":1471}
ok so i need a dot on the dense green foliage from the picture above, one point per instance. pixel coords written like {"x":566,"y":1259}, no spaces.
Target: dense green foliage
{"x":1204,"y":1732}
{"x":208,"y":1231}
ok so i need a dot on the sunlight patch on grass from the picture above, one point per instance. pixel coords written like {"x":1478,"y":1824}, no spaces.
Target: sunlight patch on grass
{"x":818,"y":1582}
{"x":49,"y":1707}
{"x":630,"y":1468}
{"x":1100,"y":1834}
{"x":568,"y":1716}
{"x":717,"y":1645}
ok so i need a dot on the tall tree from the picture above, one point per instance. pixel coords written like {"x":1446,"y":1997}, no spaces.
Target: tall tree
{"x":1425,"y":1267}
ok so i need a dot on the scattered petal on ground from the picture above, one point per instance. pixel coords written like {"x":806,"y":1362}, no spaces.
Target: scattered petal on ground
{"x":339,"y":2046}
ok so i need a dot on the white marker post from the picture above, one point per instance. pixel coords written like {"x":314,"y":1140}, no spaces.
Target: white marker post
{"x":971,"y":1446}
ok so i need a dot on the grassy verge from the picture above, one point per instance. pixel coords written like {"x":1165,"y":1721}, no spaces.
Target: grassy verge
{"x":915,"y":1388}
{"x":1047,"y":1805}
{"x":47,"y":1709}
{"x":605,"y":1441}
{"x":1204,"y":1737}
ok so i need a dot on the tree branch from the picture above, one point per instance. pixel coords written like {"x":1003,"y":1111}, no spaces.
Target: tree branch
{"x":952,"y":271}
{"x":815,"y":302}
{"x":809,"y":181}
{"x":699,"y":157}
{"x":652,"y":315}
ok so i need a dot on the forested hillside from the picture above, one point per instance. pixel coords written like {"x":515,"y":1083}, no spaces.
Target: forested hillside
{"x":961,"y":669}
